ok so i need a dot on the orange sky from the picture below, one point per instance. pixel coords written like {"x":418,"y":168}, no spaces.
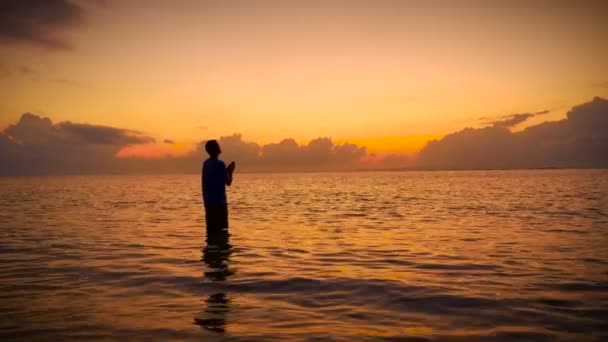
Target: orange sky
{"x":383,"y":74}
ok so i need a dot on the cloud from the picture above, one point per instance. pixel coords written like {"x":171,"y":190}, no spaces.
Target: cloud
{"x":287,"y":155}
{"x":38,"y":22}
{"x":513,"y":120}
{"x":102,"y":135}
{"x":319,"y":153}
{"x":387,"y":161}
{"x":32,"y":129}
{"x":34,"y":145}
{"x":580,"y":140}
{"x":37,"y":146}
{"x":235,"y":148}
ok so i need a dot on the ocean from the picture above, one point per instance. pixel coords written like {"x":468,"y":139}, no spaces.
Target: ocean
{"x":362,"y":256}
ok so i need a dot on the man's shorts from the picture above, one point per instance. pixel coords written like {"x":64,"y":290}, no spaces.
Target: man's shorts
{"x":216,"y":216}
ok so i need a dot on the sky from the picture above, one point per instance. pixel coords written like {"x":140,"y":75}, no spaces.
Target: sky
{"x":388,"y":76}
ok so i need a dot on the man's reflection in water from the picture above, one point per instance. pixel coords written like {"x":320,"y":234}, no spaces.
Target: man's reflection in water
{"x":215,"y":256}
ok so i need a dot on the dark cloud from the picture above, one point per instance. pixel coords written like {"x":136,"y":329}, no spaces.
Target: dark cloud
{"x":35,"y":145}
{"x":32,"y":129}
{"x":513,"y":120}
{"x":169,"y":141}
{"x":395,"y":161}
{"x":287,"y":155}
{"x":235,"y":148}
{"x":102,"y":135}
{"x":318,"y":154}
{"x":580,"y":140}
{"x":387,"y":161}
{"x":281,"y":153}
{"x":38,"y":22}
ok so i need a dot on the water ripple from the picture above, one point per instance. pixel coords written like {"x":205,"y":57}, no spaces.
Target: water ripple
{"x":401,"y":256}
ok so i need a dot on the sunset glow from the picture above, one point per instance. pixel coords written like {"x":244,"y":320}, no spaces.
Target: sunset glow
{"x":385,"y":75}
{"x":154,"y":151}
{"x":405,"y":144}
{"x":299,"y":170}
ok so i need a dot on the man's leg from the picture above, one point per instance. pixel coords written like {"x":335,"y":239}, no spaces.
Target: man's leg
{"x":223,"y":217}
{"x":216,"y":217}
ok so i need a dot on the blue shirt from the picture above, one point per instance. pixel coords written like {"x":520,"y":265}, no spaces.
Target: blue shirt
{"x":214,"y":182}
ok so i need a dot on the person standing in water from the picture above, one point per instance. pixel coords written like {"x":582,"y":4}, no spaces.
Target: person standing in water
{"x":215,"y":176}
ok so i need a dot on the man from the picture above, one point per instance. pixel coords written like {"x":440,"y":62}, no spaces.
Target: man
{"x":215,"y":177}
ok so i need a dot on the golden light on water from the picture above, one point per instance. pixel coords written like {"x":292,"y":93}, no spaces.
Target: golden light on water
{"x":469,"y":255}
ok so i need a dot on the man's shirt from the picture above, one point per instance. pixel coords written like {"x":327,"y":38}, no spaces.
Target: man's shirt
{"x":214,"y":182}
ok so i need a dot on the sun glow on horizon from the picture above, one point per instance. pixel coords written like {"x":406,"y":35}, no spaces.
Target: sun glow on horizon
{"x":155,"y":150}
{"x":385,"y":75}
{"x":405,"y":144}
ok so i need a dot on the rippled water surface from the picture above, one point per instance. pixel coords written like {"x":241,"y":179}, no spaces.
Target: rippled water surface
{"x":455,"y":256}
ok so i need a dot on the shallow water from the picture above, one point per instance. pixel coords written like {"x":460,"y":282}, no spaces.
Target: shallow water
{"x":455,"y":256}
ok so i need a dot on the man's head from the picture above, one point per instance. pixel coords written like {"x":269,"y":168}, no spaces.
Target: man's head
{"x":213,"y":148}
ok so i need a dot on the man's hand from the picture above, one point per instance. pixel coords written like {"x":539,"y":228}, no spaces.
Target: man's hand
{"x":229,"y":170}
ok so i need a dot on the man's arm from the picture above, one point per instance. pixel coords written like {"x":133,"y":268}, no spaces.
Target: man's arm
{"x":203,"y":181}
{"x":229,"y":171}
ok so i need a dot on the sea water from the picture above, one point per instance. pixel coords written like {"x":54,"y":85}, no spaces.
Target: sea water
{"x":454,"y":256}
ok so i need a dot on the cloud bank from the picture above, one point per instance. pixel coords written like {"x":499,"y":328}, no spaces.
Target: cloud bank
{"x":287,"y":155}
{"x":579,"y":141}
{"x":37,"y":146}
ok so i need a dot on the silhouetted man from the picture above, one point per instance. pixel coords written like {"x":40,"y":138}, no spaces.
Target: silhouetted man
{"x":215,"y":177}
